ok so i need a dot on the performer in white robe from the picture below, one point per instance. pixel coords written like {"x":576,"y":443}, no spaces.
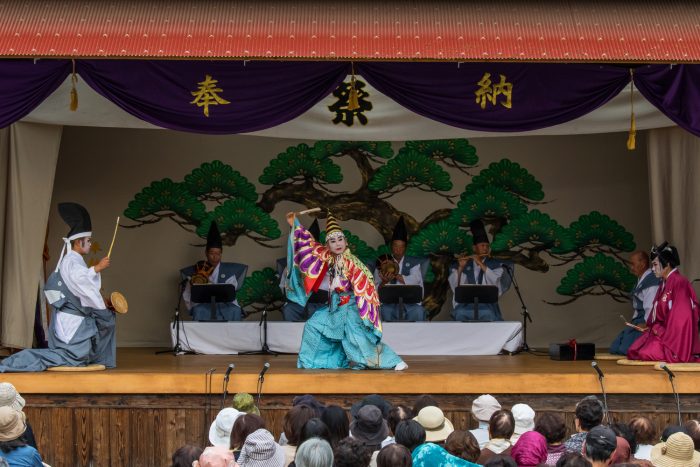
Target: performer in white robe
{"x":478,"y":269}
{"x":82,"y":329}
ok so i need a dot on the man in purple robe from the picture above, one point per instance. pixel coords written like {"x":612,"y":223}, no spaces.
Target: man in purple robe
{"x":671,"y":331}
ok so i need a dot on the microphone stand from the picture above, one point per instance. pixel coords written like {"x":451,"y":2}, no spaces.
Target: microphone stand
{"x":671,"y":377}
{"x":177,"y":348}
{"x":265,"y":349}
{"x":524,"y":347}
{"x":606,"y":414}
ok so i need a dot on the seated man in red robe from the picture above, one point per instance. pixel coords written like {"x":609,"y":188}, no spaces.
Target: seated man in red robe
{"x":671,"y":331}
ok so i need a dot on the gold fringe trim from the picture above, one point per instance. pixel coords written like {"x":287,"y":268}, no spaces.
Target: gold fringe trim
{"x":632,"y":137}
{"x":73,"y":91}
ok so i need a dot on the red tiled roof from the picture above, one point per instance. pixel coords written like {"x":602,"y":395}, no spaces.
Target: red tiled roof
{"x":574,"y":30}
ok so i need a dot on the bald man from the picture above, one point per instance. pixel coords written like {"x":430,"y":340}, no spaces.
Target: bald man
{"x":642,"y":301}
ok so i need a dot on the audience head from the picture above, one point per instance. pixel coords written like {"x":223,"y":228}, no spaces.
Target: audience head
{"x":369,"y":426}
{"x":185,"y":455}
{"x":375,"y":400}
{"x":394,"y":455}
{"x":524,"y":418}
{"x":423,"y":401}
{"x":215,"y":456}
{"x":500,"y":461}
{"x":244,"y":425}
{"x":552,"y":426}
{"x":573,"y":459}
{"x":644,"y":430}
{"x":336,"y":419}
{"x":351,"y":452}
{"x":260,"y":450}
{"x":410,"y":434}
{"x":314,"y":428}
{"x":244,"y":402}
{"x":622,"y":453}
{"x":530,"y":449}
{"x":677,"y":451}
{"x":589,"y":413}
{"x":464,"y":445}
{"x":624,"y":431}
{"x":220,"y":429}
{"x":501,"y":425}
{"x":10,"y":397}
{"x":600,"y":444}
{"x":437,"y":427}
{"x":692,"y":428}
{"x":294,"y":421}
{"x":397,"y":414}
{"x":314,"y":452}
{"x":671,"y":429}
{"x":484,"y":406}
{"x":309,"y":401}
{"x":12,"y":424}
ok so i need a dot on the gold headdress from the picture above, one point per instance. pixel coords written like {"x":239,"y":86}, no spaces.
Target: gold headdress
{"x":333,"y":228}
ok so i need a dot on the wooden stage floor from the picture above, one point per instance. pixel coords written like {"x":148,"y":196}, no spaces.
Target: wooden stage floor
{"x":141,"y":371}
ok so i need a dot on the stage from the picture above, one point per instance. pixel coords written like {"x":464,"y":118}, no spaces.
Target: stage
{"x":140,"y":412}
{"x":141,"y":371}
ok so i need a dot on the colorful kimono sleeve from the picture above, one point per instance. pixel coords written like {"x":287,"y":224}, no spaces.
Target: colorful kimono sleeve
{"x":307,"y":263}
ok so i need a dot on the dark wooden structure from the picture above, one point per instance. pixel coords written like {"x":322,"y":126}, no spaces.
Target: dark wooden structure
{"x":138,"y":414}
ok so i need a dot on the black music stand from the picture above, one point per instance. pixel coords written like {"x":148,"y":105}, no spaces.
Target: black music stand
{"x":213,"y":293}
{"x":476,"y":294}
{"x":399,"y":293}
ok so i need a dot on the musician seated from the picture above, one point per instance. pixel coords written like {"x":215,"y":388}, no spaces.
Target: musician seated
{"x":480,"y":269}
{"x":292,"y":311}
{"x":213,"y":271}
{"x":399,"y":269}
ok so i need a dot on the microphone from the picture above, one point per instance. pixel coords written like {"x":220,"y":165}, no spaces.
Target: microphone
{"x":597,"y":369}
{"x":671,"y":377}
{"x":230,"y":368}
{"x":261,"y":380}
{"x":668,"y":371}
{"x":266,"y":367}
{"x":601,"y":376}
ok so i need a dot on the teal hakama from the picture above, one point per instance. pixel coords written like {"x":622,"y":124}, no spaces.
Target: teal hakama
{"x":346,"y":333}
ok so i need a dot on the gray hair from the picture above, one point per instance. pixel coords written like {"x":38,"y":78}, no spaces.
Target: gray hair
{"x":314,"y":452}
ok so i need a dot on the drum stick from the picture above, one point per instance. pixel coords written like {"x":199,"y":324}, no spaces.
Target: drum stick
{"x":114,"y":237}
{"x":309,"y":211}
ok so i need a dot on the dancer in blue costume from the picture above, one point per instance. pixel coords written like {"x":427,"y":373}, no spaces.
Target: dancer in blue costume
{"x":346,"y":333}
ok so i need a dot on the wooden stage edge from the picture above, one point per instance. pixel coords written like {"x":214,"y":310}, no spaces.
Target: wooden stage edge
{"x":141,"y":371}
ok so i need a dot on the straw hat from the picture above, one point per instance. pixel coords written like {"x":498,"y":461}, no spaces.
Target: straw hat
{"x":437,"y":427}
{"x":9,"y":396}
{"x":677,"y":451}
{"x":12,"y":424}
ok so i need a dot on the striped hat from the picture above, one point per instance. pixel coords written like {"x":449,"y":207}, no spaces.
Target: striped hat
{"x":333,"y":228}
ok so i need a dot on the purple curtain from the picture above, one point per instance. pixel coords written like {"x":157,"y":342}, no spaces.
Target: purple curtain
{"x":24,"y":84}
{"x":497,"y":96}
{"x":238,"y":96}
{"x":674,"y":90}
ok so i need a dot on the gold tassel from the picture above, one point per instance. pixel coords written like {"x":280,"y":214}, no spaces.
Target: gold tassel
{"x":632,"y":138}
{"x":353,"y":96}
{"x":73,"y":91}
